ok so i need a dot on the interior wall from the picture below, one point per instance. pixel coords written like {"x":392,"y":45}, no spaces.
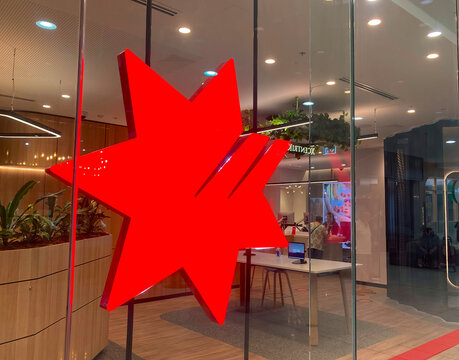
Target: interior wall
{"x":370,"y":216}
{"x":20,"y":163}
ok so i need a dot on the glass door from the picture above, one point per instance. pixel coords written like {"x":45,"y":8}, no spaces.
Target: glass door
{"x":406,"y":112}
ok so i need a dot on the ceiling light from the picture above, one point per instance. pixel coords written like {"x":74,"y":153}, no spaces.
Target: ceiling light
{"x":432,"y":56}
{"x":411,"y":111}
{"x":210,"y":73}
{"x":27,"y":144}
{"x":331,"y":82}
{"x":450,"y":141}
{"x":65,"y":96}
{"x":343,"y":164}
{"x":184,"y":30}
{"x":374,"y":22}
{"x":308,"y":103}
{"x":347,"y":91}
{"x":46,"y":25}
{"x":48,"y":132}
{"x":278,"y":127}
{"x":434,"y":34}
{"x":270,"y":61}
{"x":358,"y":118}
{"x":47,"y":106}
{"x":368,"y":137}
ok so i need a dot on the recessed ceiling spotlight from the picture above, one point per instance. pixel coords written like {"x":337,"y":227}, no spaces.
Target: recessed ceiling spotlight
{"x":210,"y":73}
{"x":331,"y":82}
{"x":184,"y":30}
{"x":411,"y":111}
{"x":46,"y":25}
{"x":27,"y":144}
{"x":450,"y":141}
{"x":358,"y":118}
{"x":374,"y":22}
{"x":432,"y":56}
{"x":308,"y":103}
{"x":47,"y":106}
{"x":270,"y":61}
{"x":65,"y":96}
{"x":347,"y":91}
{"x":434,"y":34}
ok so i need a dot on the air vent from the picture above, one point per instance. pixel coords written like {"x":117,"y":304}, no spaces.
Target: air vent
{"x":370,"y":89}
{"x":159,"y":7}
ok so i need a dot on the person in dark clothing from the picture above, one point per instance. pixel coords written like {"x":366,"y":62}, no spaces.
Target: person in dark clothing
{"x":428,"y":250}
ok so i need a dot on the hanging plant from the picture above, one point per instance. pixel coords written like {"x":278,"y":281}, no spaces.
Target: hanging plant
{"x":323,"y":130}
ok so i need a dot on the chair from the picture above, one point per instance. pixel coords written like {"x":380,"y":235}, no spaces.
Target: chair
{"x":262,"y":277}
{"x":277,"y":272}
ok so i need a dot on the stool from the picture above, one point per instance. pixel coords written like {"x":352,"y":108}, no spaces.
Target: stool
{"x":277,"y":272}
{"x":262,"y":275}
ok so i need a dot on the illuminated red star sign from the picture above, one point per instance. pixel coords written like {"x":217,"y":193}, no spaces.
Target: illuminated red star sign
{"x":189,"y":187}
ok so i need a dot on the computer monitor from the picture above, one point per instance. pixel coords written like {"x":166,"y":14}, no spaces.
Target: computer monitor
{"x":296,"y":251}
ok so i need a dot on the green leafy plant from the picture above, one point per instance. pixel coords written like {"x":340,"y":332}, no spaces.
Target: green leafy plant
{"x":8,"y":220}
{"x":31,"y":226}
{"x":323,"y":131}
{"x":89,"y":218}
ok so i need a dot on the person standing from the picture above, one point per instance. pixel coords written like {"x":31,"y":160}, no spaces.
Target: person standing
{"x":331,"y":225}
{"x":317,"y":238}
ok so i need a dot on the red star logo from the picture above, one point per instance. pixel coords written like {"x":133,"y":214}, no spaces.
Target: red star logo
{"x":189,"y":187}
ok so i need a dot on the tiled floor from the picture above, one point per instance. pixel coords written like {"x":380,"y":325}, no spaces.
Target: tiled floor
{"x":156,"y":339}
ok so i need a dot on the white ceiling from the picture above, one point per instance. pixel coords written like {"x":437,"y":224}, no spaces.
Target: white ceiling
{"x":309,"y":39}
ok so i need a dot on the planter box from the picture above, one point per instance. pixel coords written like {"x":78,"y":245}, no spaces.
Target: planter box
{"x":33,"y":298}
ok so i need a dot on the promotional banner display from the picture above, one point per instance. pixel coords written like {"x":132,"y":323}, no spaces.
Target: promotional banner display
{"x":337,"y":201}
{"x":217,"y":194}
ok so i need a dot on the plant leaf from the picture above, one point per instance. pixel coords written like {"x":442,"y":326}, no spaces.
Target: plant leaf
{"x":13,"y":205}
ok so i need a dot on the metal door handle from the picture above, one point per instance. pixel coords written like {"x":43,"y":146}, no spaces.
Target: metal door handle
{"x":445,"y":209}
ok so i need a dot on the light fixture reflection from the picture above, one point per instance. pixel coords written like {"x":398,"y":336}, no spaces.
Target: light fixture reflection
{"x":434,"y":34}
{"x":184,"y":30}
{"x":210,"y":73}
{"x":46,"y":25}
{"x":374,"y":22}
{"x":432,"y":56}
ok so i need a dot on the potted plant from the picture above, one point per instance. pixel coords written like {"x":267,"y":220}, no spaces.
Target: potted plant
{"x":33,"y":290}
{"x":323,"y":131}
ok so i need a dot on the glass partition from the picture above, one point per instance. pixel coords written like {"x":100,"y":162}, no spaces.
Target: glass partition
{"x":407,"y":106}
{"x":38,"y":69}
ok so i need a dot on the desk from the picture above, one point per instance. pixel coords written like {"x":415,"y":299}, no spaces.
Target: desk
{"x":317,"y":267}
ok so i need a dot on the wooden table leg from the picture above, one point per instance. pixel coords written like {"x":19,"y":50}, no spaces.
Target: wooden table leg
{"x":342,"y":279}
{"x":314,"y":312}
{"x":242,"y":284}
